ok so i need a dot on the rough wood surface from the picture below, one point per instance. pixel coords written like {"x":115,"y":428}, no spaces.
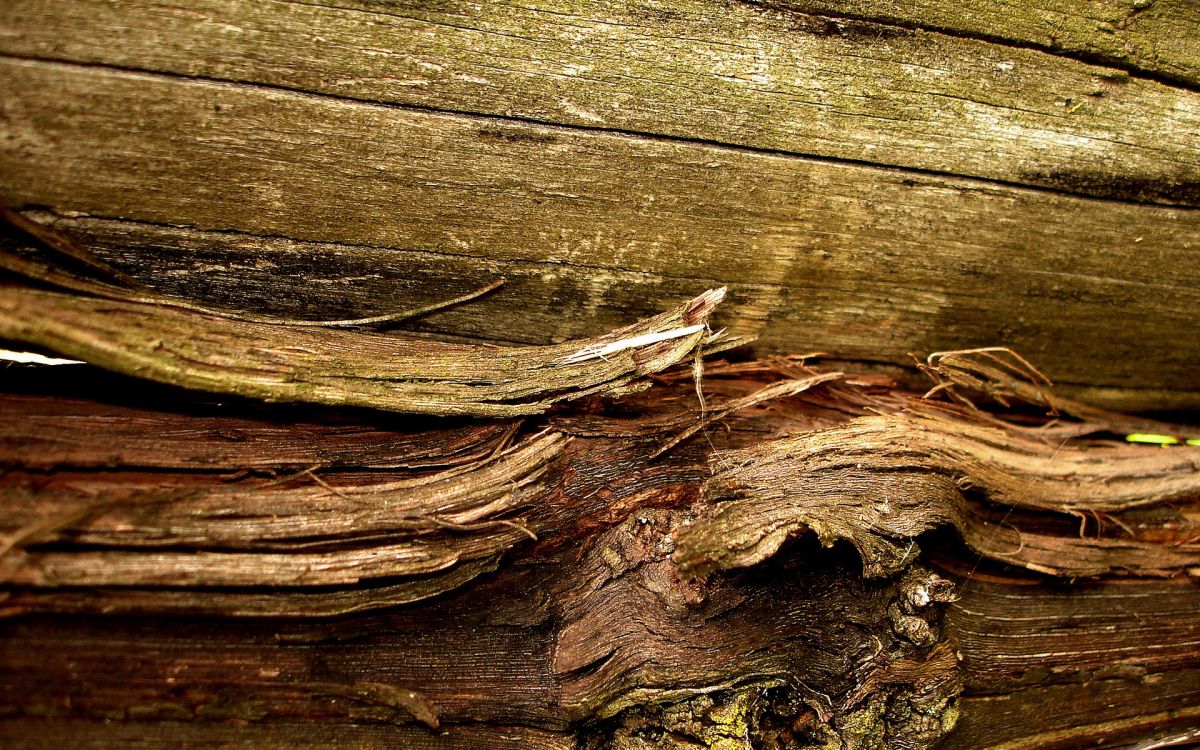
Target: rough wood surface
{"x":641,"y":571}
{"x":868,"y":264}
{"x":283,"y":362}
{"x":46,"y":434}
{"x":1152,"y":38}
{"x":905,"y":474}
{"x":855,"y":177}
{"x":1088,"y":687}
{"x":766,"y":77}
{"x":592,"y":637}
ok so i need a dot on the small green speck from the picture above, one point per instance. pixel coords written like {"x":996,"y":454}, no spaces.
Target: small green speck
{"x":1152,"y":439}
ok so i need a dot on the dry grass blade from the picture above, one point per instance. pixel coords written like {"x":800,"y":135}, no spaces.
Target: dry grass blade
{"x":346,"y":368}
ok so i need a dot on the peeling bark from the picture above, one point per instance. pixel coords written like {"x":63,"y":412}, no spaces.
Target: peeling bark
{"x":879,"y":482}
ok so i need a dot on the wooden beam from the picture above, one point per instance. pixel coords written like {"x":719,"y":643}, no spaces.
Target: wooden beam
{"x":864,"y":262}
{"x":764,"y":76}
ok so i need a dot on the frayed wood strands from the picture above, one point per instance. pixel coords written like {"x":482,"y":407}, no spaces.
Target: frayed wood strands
{"x":880,"y":481}
{"x":781,"y":389}
{"x":314,"y":535}
{"x":1000,"y":375}
{"x":58,"y":243}
{"x":88,"y":433}
{"x":276,"y":601}
{"x":344,"y":368}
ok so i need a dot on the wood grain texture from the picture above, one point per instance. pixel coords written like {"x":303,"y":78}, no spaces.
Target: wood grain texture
{"x":881,"y":481}
{"x":592,"y":637}
{"x":867,"y":263}
{"x":1147,"y":37}
{"x":77,"y":433}
{"x":1089,"y":687}
{"x":729,"y":72}
{"x":281,"y":362}
{"x":37,"y":734}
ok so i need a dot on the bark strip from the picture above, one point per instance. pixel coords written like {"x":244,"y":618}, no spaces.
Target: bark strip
{"x":347,"y":368}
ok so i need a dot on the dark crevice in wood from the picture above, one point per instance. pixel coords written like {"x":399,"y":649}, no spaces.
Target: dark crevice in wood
{"x":1101,"y":192}
{"x":1097,"y":59}
{"x":432,"y":253}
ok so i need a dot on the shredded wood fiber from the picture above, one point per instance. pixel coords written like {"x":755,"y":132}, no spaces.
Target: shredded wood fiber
{"x":880,"y":481}
{"x":858,"y":460}
{"x":314,"y":535}
{"x":179,"y":541}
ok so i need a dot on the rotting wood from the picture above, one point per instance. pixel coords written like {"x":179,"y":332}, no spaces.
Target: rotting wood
{"x":234,"y":735}
{"x":878,"y":482}
{"x":45,"y":434}
{"x":766,"y":76}
{"x":191,"y":536}
{"x":1088,"y":686}
{"x":536,"y":582}
{"x":867,"y":263}
{"x":598,"y":619}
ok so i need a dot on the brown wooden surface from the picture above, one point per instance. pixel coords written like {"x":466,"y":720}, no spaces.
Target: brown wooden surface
{"x":570,"y":641}
{"x":869,"y":179}
{"x":911,"y":180}
{"x":770,"y":76}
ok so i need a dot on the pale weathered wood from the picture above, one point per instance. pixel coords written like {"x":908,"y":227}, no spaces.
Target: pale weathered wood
{"x":862,"y":262}
{"x":1149,"y":37}
{"x":729,"y":72}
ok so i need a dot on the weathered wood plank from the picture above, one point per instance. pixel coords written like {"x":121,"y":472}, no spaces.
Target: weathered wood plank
{"x":733,"y":73}
{"x":867,"y":263}
{"x":38,"y":734}
{"x":1051,"y":667}
{"x":1156,"y":37}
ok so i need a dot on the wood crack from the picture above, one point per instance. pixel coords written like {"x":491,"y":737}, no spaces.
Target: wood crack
{"x":1100,"y":60}
{"x":726,"y":146}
